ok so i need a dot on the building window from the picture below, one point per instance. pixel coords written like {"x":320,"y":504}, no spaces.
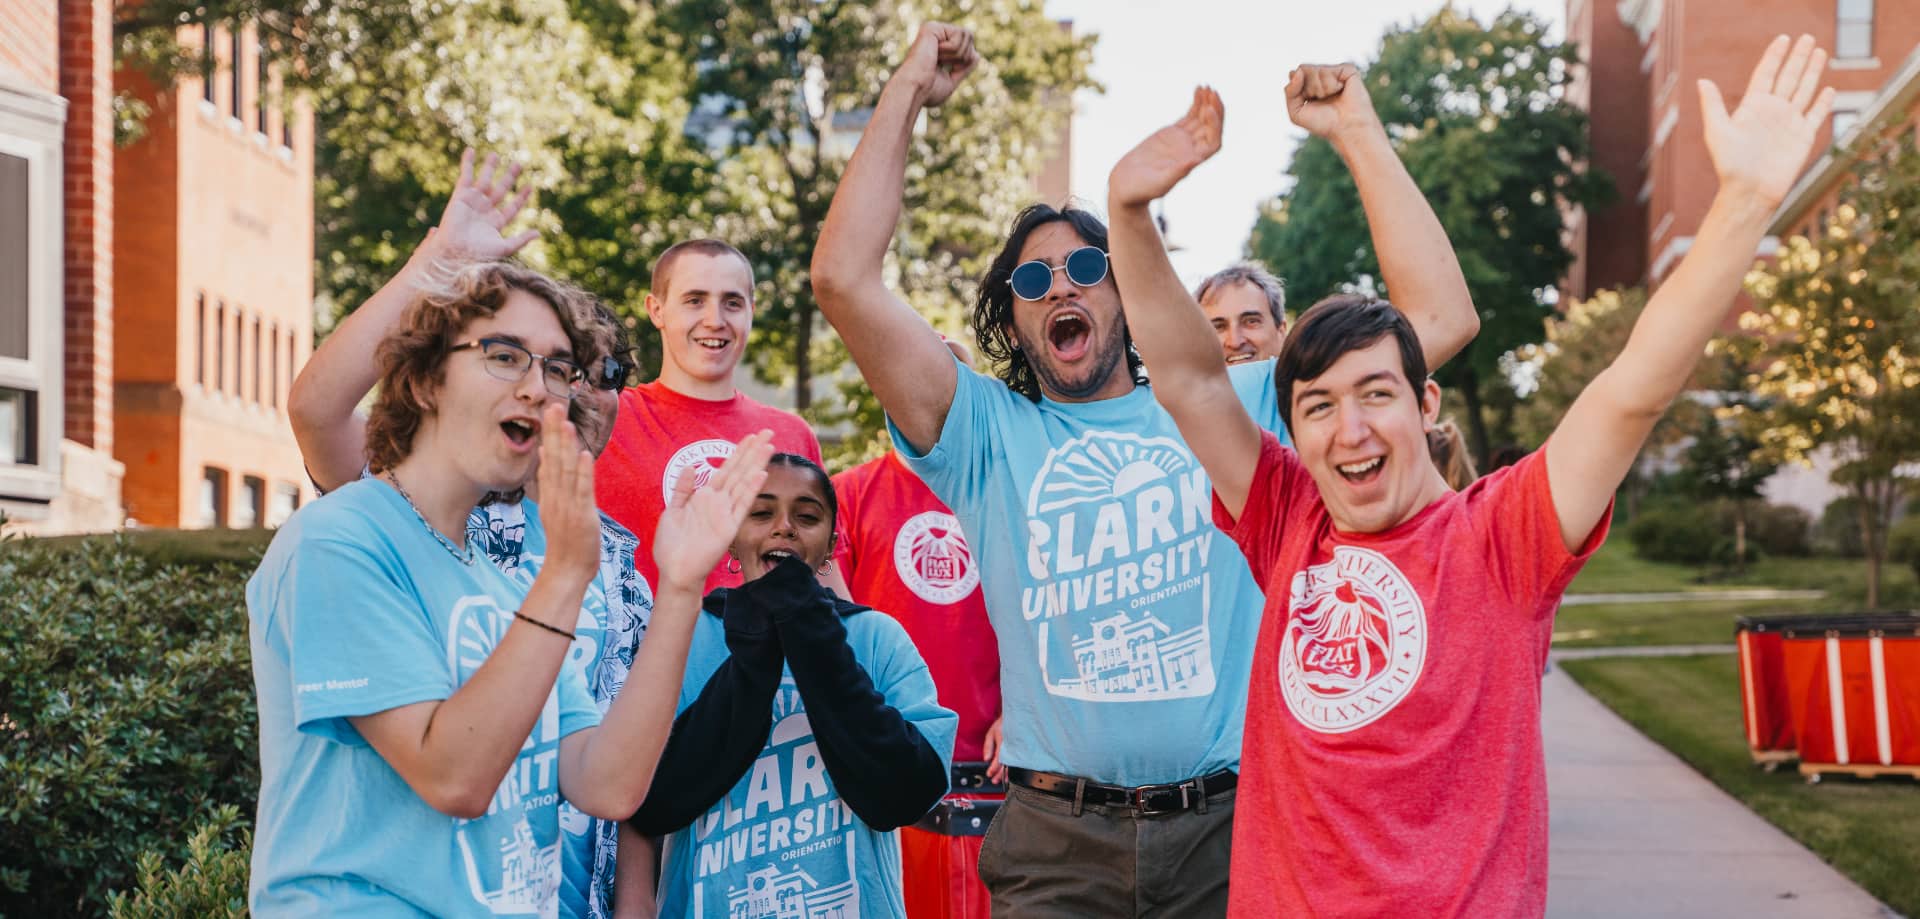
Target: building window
{"x":220,"y":347}
{"x":286,"y":500}
{"x":207,"y":66}
{"x":289,"y":366}
{"x":31,"y":308}
{"x":256,"y":361}
{"x":19,"y":432}
{"x":16,"y":220}
{"x":260,"y":88}
{"x":1853,"y":40}
{"x":1842,"y":123}
{"x":213,"y":497}
{"x":233,"y":73}
{"x":273,"y":366}
{"x":200,"y":339}
{"x":252,"y":509}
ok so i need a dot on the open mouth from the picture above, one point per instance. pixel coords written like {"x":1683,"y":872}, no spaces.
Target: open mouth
{"x":772,"y":557}
{"x":519,"y":431}
{"x":1070,"y":334}
{"x":1362,"y":472}
{"x":1239,"y":357}
{"x":713,"y":344}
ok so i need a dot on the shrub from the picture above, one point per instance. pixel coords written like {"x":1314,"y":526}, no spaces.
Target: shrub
{"x":211,"y":885}
{"x":1903,"y":544}
{"x":1688,"y":535}
{"x":126,"y":716}
{"x":1839,"y":530}
{"x":1778,"y":529}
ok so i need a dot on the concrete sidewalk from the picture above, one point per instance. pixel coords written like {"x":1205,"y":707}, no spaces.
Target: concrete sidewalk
{"x":1635,"y":832}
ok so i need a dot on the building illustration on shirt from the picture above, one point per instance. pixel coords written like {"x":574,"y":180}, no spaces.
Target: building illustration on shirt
{"x":1118,"y":532}
{"x":782,"y":844}
{"x":1141,"y":655}
{"x":508,"y":868}
{"x":528,"y":876}
{"x":932,"y":558}
{"x":771,"y":894}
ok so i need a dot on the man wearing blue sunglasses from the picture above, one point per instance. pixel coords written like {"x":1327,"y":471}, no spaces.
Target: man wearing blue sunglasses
{"x":1126,"y":622}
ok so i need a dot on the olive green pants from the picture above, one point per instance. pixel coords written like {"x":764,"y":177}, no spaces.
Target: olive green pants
{"x":1040,"y":860}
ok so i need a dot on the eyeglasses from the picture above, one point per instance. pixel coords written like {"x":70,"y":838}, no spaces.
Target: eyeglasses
{"x":1085,"y":266}
{"x":613,"y":374}
{"x":507,"y":361}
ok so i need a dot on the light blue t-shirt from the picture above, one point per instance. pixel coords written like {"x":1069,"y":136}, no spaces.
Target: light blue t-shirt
{"x":783,"y":843}
{"x":1109,"y":583}
{"x":613,"y":620}
{"x":356,"y":609}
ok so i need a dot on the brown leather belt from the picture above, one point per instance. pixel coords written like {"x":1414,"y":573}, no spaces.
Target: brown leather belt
{"x":1143,"y":801}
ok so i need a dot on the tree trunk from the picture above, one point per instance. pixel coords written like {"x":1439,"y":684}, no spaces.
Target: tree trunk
{"x":803,"y":354}
{"x":1869,"y":541}
{"x":1476,"y":422}
{"x":1740,"y":536}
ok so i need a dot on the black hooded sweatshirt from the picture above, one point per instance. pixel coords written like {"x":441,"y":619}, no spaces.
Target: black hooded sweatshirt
{"x":879,"y":762}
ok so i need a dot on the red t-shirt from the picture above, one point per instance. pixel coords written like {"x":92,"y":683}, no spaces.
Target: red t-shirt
{"x":902,"y":553}
{"x":1392,"y":761}
{"x":658,"y":435}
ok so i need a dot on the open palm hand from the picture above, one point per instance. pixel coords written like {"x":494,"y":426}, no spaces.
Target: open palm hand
{"x":1153,"y":168}
{"x":698,"y":525}
{"x":1763,"y":143}
{"x":472,"y":228}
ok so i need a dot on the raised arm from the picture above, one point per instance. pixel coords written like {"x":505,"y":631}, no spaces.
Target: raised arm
{"x":1417,"y":262}
{"x":898,"y":353}
{"x":323,"y":403}
{"x":1189,"y":373}
{"x":607,"y":771}
{"x":1758,"y":152}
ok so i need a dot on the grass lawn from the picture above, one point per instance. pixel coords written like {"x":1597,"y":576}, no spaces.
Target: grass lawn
{"x":1615,"y":569}
{"x":1868,"y":829}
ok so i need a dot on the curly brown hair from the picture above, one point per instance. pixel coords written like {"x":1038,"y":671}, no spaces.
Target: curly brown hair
{"x":413,"y":358}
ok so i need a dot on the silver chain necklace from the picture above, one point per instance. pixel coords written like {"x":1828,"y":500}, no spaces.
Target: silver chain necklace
{"x":464,"y":558}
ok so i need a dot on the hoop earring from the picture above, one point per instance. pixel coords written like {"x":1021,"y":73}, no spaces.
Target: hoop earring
{"x":733,"y":565}
{"x":825,"y":566}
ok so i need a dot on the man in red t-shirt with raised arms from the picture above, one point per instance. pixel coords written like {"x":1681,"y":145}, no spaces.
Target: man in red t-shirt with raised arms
{"x":687,"y":421}
{"x":1392,"y":762}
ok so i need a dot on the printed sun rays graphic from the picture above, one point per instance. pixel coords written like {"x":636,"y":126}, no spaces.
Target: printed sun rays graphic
{"x":1104,"y":470}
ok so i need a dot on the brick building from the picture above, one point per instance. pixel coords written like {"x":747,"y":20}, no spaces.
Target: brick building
{"x":155,"y":300}
{"x":1643,"y":59}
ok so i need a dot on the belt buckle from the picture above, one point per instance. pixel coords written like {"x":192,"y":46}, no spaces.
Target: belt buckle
{"x":1142,"y":808}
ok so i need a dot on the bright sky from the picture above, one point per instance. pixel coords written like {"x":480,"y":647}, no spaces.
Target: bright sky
{"x":1152,"y":53}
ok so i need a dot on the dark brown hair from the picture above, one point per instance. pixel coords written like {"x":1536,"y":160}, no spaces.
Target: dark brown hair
{"x":1334,"y":327}
{"x":993,"y":306}
{"x":413,"y":358}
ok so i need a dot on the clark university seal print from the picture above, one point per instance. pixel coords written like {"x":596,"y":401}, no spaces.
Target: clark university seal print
{"x":1355,"y":642}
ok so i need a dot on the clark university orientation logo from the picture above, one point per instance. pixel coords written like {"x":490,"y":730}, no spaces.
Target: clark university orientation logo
{"x":1355,"y":644}
{"x":933,"y":560}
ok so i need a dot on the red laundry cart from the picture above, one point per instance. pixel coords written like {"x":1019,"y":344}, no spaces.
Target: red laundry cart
{"x":1763,"y":688}
{"x":1853,"y":693}
{"x":940,"y":855}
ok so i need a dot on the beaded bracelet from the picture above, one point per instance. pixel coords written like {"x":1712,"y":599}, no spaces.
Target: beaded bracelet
{"x":560,"y":632}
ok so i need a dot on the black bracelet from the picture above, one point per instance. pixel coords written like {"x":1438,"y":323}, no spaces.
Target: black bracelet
{"x":526,"y":618}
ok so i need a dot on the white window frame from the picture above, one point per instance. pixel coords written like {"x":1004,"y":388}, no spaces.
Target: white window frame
{"x":31,"y":126}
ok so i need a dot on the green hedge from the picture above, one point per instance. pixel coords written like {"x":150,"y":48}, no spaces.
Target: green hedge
{"x":126,"y":711}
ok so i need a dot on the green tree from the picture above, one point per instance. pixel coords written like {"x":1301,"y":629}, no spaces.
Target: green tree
{"x":583,"y":92}
{"x":1480,"y":117}
{"x":785,"y":86}
{"x":1726,"y":461}
{"x":1835,"y":343}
